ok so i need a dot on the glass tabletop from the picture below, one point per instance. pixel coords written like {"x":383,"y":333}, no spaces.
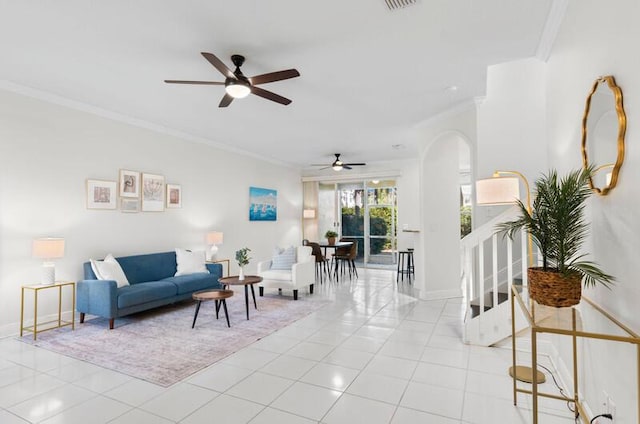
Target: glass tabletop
{"x":586,"y":318}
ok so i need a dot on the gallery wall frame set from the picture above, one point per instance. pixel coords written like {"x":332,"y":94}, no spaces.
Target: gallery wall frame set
{"x":134,"y":191}
{"x":101,"y":194}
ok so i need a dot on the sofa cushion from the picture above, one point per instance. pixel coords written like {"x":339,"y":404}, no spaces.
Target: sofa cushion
{"x":284,"y":259}
{"x":194,"y":282}
{"x":109,"y":269}
{"x":276,"y":274}
{"x":190,"y":262}
{"x":140,"y":293}
{"x":149,"y":267}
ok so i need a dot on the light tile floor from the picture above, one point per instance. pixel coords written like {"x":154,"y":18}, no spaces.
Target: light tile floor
{"x":376,"y":354}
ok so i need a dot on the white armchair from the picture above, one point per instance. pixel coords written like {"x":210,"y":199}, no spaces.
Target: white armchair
{"x":302,"y":273}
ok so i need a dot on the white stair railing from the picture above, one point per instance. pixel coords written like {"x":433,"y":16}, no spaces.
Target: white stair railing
{"x":475,"y":283}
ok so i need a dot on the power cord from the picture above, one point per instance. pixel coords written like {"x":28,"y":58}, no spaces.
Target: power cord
{"x":561,"y":390}
{"x":607,"y":416}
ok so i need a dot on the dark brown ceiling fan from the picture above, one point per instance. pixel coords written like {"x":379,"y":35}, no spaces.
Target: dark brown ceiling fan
{"x":237,"y":85}
{"x":338,"y":165}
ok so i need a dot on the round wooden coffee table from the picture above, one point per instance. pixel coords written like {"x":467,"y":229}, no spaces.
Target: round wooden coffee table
{"x":249,"y":281}
{"x":219,"y":296}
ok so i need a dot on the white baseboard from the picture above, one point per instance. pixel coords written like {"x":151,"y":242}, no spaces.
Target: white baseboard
{"x":13,"y":329}
{"x":440,"y":294}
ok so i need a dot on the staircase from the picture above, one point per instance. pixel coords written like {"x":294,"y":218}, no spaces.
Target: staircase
{"x":487,"y":285}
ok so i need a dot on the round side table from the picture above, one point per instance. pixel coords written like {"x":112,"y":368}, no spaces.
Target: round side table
{"x":219,"y":296}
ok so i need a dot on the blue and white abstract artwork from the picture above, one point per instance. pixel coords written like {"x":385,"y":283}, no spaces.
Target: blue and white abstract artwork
{"x":263,"y":204}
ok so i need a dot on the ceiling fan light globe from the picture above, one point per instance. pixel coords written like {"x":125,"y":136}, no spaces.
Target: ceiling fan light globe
{"x":237,"y":89}
{"x":337,"y":167}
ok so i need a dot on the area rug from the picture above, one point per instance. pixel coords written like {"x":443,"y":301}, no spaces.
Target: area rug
{"x":159,"y":346}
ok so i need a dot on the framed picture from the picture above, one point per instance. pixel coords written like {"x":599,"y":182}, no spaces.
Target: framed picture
{"x":101,"y":194}
{"x":263,"y":204}
{"x":129,"y":183}
{"x":152,"y":193}
{"x":174,"y":196}
{"x":129,"y":205}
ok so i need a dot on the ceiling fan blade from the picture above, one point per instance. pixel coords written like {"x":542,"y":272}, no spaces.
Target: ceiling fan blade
{"x":270,"y":95}
{"x":274,"y":76}
{"x":355,"y":164}
{"x":218,"y":64}
{"x":226,"y":100}
{"x":194,"y":82}
{"x":326,"y":167}
{"x":346,"y":166}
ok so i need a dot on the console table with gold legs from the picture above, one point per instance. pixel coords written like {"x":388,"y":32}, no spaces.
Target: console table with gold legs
{"x":38,"y":327}
{"x":219,"y":261}
{"x":580,"y":322}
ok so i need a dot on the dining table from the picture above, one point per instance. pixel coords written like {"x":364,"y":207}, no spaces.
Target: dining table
{"x":325,"y":245}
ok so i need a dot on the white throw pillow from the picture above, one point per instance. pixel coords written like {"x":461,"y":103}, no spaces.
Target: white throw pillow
{"x":190,"y":262}
{"x":285,"y":259}
{"x":109,"y":269}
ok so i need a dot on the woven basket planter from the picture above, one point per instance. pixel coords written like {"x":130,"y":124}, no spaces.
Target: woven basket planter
{"x":553,"y":289}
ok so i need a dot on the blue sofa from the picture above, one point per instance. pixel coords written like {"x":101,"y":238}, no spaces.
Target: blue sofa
{"x":151,"y":284}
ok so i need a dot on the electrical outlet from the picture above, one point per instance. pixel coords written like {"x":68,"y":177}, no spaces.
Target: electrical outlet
{"x":611,"y":408}
{"x":608,"y":406}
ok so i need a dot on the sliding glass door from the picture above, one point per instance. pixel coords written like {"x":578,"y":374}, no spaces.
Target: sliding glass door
{"x":352,"y":214}
{"x":367,"y":212}
{"x":383,"y":223}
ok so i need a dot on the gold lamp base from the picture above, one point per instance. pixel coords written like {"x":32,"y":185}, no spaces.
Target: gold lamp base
{"x":526,"y":374}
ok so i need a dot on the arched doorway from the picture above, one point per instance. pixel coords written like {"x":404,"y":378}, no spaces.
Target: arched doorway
{"x":446,"y":166}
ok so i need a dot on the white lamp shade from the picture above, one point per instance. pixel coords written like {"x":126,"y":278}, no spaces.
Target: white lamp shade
{"x":497,"y":191}
{"x":215,"y":237}
{"x":309,"y":213}
{"x":48,"y":248}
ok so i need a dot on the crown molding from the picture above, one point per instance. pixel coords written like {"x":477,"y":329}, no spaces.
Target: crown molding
{"x":140,"y":123}
{"x":551,"y":28}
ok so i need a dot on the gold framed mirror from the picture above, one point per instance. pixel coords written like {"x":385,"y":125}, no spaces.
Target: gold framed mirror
{"x":603,"y":128}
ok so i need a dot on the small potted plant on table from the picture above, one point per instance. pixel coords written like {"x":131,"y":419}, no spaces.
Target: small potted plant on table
{"x":331,"y":235}
{"x":558,"y":227}
{"x":242,"y":257}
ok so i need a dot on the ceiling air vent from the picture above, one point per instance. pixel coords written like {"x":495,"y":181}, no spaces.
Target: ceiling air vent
{"x":399,"y":4}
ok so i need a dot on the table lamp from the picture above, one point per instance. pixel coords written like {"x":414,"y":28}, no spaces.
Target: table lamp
{"x":214,"y":238}
{"x":48,"y":249}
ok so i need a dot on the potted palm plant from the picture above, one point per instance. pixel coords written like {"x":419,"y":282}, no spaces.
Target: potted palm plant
{"x":558,"y":227}
{"x":331,"y":235}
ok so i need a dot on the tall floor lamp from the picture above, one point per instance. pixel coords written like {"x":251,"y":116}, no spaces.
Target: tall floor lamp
{"x":500,"y":190}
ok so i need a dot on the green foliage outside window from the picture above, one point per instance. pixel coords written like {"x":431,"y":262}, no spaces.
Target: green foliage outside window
{"x":465,"y":220}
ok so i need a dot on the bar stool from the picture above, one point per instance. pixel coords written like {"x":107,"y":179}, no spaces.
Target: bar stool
{"x":405,"y":265}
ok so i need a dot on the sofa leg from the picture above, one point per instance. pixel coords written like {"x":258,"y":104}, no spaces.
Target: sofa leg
{"x":261,"y":290}
{"x":111,"y":322}
{"x":81,"y":317}
{"x":311,"y":289}
{"x":295,"y":295}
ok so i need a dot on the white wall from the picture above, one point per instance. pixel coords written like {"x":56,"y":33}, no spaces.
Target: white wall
{"x":440,"y":200}
{"x":601,"y":39}
{"x":48,"y":151}
{"x":441,"y":218}
{"x":511,"y":125}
